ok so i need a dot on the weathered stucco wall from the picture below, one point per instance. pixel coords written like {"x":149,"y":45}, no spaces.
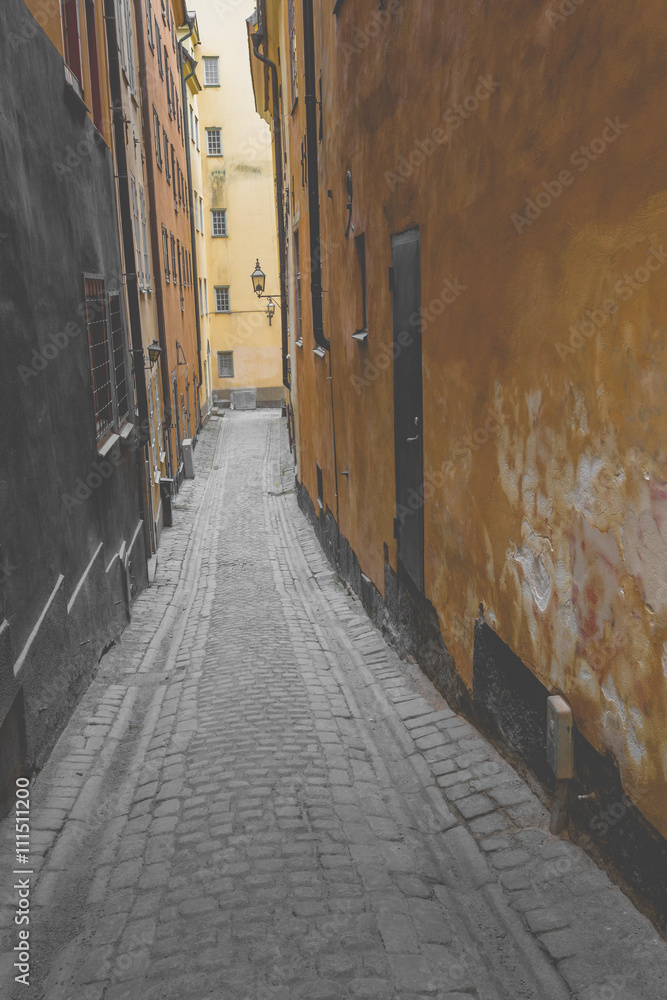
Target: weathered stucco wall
{"x":524,"y":144}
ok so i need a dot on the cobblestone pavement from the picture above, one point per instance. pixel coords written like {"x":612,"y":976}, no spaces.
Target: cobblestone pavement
{"x":258,"y":800}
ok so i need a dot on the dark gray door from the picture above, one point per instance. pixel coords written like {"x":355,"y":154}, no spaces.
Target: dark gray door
{"x":407,"y":344}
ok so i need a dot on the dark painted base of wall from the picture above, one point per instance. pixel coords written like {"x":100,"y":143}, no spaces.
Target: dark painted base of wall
{"x":508,"y":704}
{"x":63,"y":659}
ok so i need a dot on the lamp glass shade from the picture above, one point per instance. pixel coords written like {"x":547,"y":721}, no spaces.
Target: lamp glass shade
{"x":271,"y":307}
{"x":154,"y":352}
{"x":258,"y":279}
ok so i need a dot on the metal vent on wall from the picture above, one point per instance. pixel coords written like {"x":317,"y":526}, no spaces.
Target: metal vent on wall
{"x":243,"y":399}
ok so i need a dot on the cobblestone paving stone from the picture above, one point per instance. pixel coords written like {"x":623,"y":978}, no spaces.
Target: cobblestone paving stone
{"x":258,"y":800}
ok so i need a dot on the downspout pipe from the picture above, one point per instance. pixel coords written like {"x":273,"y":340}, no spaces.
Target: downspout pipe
{"x":313,"y":178}
{"x":156,"y":241}
{"x":278,"y":146}
{"x":127,"y":234}
{"x":190,"y":21}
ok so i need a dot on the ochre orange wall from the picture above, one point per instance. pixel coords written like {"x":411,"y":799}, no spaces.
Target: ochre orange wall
{"x":547,"y":463}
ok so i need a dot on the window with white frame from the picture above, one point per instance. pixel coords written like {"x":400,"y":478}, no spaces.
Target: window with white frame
{"x":196,"y":132}
{"x":194,"y":195}
{"x":149,"y":24}
{"x":144,"y":239}
{"x":219,"y":222}
{"x":211,"y":71}
{"x":225,"y":364}
{"x":137,"y":231}
{"x":214,"y":142}
{"x":206,"y":296}
{"x":201,"y":216}
{"x":222,"y":299}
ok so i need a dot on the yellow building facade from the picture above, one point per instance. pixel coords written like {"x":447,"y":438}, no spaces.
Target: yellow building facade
{"x":475,"y":264}
{"x":239,"y":217}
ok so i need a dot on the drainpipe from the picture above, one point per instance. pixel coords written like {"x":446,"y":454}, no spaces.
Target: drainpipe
{"x":190,"y":21}
{"x":156,"y":240}
{"x":313,"y":179}
{"x":126,"y":222}
{"x":257,"y":38}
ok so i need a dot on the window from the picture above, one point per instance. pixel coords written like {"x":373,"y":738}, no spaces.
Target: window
{"x":178,"y":114}
{"x":360,"y":244}
{"x":136,"y":230}
{"x":194,"y":194}
{"x":98,"y":346}
{"x":166,"y":153}
{"x":180,"y":272}
{"x":201,"y":301}
{"x":144,"y":239}
{"x":206,"y":296}
{"x":70,"y":15}
{"x":93,"y":62}
{"x":149,"y":25}
{"x":158,"y":139}
{"x":211,"y":71}
{"x":214,"y":142}
{"x":163,"y":4}
{"x":294,"y":87}
{"x":297,"y":286}
{"x":165,"y":252}
{"x":166,"y":80}
{"x":196,"y":132}
{"x":158,"y":45}
{"x":192,"y":123}
{"x":173,"y":256}
{"x":222,"y":299}
{"x":129,"y":70}
{"x":173,"y":172}
{"x":219,"y":222}
{"x":225,"y":364}
{"x":201,"y":215}
{"x":119,"y":367}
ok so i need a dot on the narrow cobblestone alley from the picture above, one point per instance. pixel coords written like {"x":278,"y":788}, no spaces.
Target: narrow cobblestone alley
{"x":258,"y":800}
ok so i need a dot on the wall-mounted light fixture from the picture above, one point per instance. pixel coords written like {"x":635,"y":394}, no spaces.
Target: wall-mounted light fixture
{"x":154,"y":353}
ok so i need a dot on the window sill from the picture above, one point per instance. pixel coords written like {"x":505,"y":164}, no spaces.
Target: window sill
{"x":126,"y":430}
{"x":360,"y":335}
{"x":319,"y":351}
{"x":298,"y":343}
{"x":74,"y":91}
{"x":104,"y":449}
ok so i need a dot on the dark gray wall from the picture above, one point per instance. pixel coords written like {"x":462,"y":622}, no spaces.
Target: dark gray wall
{"x":57,"y":222}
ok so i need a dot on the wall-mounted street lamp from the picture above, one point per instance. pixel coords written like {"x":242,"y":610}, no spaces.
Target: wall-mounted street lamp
{"x":154,"y":353}
{"x":258,"y":284}
{"x":258,"y":280}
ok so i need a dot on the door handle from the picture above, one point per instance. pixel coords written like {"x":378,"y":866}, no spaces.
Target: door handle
{"x":415,"y":438}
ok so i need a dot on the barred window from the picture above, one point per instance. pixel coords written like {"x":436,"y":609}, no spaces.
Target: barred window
{"x":222,"y":299}
{"x":100,"y":365}
{"x":219,"y":222}
{"x":214,"y":141}
{"x":211,"y":71}
{"x":119,"y":367}
{"x":225,"y":364}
